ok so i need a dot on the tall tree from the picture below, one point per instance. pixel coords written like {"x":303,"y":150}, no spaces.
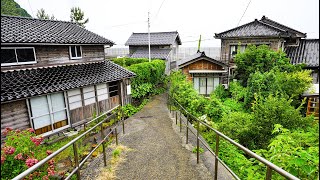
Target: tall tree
{"x":9,"y":7}
{"x":77,"y":16}
{"x":41,"y":14}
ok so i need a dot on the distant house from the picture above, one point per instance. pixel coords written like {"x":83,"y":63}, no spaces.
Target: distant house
{"x":205,"y":73}
{"x":163,"y":45}
{"x":54,"y":75}
{"x":277,"y":36}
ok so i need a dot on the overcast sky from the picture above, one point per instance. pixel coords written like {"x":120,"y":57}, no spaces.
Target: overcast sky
{"x":117,"y":19}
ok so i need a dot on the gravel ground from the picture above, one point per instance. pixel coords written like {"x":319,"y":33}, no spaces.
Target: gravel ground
{"x":158,"y":148}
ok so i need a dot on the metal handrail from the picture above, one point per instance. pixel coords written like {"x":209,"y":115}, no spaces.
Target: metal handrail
{"x":270,"y":166}
{"x":72,"y":142}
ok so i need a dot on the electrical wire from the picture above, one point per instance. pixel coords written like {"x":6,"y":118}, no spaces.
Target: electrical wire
{"x":31,"y":8}
{"x":244,"y":13}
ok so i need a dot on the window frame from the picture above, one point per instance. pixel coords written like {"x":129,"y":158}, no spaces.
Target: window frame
{"x":51,"y":113}
{"x":70,"y":54}
{"x":15,"y":52}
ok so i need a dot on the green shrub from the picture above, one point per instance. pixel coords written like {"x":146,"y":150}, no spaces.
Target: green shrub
{"x":126,"y":61}
{"x":274,"y":110}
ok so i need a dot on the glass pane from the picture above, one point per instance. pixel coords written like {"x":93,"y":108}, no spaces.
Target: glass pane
{"x":113,"y":88}
{"x":8,"y":56}
{"x":25,"y":55}
{"x":58,"y":106}
{"x":196,"y":84}
{"x":40,"y":109}
{"x":79,"y":54}
{"x":216,"y":82}
{"x":203,"y":85}
{"x":73,"y":51}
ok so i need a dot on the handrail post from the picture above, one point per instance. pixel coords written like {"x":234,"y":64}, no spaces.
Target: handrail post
{"x":122,"y":119}
{"x":76,"y":161}
{"x":198,"y":148}
{"x":187,"y":129}
{"x":170,"y":104}
{"x":216,"y":158}
{"x":115,"y":129}
{"x":180,"y":124}
{"x":176,"y":117}
{"x":103,"y":147}
{"x":269,"y":173}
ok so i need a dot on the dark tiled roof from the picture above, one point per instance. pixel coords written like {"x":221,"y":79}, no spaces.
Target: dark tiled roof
{"x":156,"y":38}
{"x":154,"y":53}
{"x":261,"y":28}
{"x":283,"y":27}
{"x":307,"y":52}
{"x":32,"y":82}
{"x":29,"y":30}
{"x":197,"y":56}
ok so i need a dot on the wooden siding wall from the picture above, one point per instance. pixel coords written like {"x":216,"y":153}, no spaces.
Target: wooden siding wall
{"x":200,"y":65}
{"x":56,"y":54}
{"x":83,"y":114}
{"x":275,"y":44}
{"x":14,"y":115}
{"x":127,"y":98}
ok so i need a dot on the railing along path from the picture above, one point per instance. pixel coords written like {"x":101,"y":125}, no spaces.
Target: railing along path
{"x":73,"y":142}
{"x":270,"y":166}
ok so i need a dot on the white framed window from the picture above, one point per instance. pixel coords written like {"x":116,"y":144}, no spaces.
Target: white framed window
{"x":75,"y":52}
{"x":48,"y":113}
{"x":17,"y":56}
{"x":234,"y":50}
{"x":205,"y":85}
{"x":75,"y":100}
{"x":89,"y":95}
{"x":102,"y":92}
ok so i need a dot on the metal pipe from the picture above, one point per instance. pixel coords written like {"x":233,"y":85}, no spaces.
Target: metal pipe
{"x":198,"y":155}
{"x":187,"y":130}
{"x":250,"y":153}
{"x":269,"y":173}
{"x":76,"y":160}
{"x":216,"y":158}
{"x":115,"y":129}
{"x":43,"y":161}
{"x":103,"y":147}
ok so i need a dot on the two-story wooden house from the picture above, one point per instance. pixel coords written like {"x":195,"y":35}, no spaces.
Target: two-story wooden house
{"x":54,"y":75}
{"x":163,"y":45}
{"x":277,"y":36}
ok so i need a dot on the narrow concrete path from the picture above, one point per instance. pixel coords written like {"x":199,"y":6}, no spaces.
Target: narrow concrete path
{"x":158,"y":152}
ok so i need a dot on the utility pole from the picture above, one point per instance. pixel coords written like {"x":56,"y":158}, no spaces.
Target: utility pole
{"x":149,"y":35}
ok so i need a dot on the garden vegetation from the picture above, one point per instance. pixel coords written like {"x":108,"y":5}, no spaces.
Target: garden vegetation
{"x":262,"y":110}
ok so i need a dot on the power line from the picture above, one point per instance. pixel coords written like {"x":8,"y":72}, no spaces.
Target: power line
{"x":126,"y":24}
{"x":159,"y":9}
{"x":31,"y":8}
{"x":244,"y":12}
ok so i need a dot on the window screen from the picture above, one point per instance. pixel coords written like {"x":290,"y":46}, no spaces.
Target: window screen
{"x":17,"y":55}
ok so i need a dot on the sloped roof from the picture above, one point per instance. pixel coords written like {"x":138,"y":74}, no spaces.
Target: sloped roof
{"x":154,"y":53}
{"x":30,"y":30}
{"x":260,"y":28}
{"x":195,"y":57}
{"x":19,"y":84}
{"x":307,"y":52}
{"x":156,"y":38}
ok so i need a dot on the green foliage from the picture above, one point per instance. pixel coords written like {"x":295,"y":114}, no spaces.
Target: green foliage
{"x":77,"y":16}
{"x":261,"y":59}
{"x":296,"y":151}
{"x":23,"y":149}
{"x":194,"y":150}
{"x":41,"y":14}
{"x":148,"y":76}
{"x":220,"y":92}
{"x":116,"y":153}
{"x":274,"y":110}
{"x":10,"y":7}
{"x":281,"y":83}
{"x":130,"y":109}
{"x":126,"y":61}
{"x":237,"y":91}
{"x":237,"y":125}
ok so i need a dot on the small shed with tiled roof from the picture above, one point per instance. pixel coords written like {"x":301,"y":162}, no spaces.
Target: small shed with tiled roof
{"x":205,"y":72}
